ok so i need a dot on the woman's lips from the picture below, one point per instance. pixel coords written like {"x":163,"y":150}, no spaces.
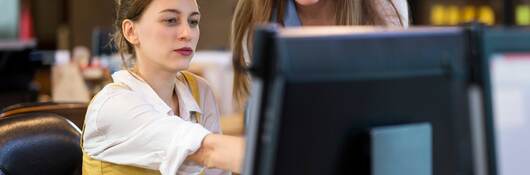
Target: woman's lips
{"x":185,"y":51}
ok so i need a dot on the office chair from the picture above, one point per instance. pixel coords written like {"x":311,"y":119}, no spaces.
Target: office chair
{"x":39,"y":143}
{"x":74,"y":112}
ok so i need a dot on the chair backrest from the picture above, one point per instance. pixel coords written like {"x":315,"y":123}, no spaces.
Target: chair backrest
{"x":39,"y":143}
{"x":74,"y":112}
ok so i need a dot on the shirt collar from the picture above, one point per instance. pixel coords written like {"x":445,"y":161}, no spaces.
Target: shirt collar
{"x":187,"y":103}
{"x":185,"y":95}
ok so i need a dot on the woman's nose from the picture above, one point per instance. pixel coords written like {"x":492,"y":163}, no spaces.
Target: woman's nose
{"x":185,"y":33}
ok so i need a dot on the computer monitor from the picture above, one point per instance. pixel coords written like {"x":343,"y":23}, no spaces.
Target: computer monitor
{"x":507,"y":54}
{"x":360,"y":100}
{"x":9,"y":23}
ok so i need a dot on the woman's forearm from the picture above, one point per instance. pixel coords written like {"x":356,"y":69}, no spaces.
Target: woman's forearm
{"x":221,"y":151}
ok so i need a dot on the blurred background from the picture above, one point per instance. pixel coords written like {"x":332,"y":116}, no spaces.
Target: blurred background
{"x":57,"y":50}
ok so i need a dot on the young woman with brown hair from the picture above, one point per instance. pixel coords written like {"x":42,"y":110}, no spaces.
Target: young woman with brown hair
{"x":155,"y":118}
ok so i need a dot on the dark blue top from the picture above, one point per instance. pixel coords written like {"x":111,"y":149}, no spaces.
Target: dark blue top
{"x":291,"y":18}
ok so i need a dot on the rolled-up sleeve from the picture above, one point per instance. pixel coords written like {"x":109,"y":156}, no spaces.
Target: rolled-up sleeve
{"x":132,"y":132}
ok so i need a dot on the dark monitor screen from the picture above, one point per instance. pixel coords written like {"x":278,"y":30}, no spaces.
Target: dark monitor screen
{"x":323,"y":96}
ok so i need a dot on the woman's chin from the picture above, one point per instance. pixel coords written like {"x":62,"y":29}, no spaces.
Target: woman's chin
{"x":307,"y":2}
{"x":176,"y":69}
{"x":176,"y":64}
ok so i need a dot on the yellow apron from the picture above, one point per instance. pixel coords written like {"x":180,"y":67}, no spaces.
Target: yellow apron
{"x":97,"y":167}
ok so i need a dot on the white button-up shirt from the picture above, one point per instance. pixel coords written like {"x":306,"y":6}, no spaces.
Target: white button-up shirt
{"x":128,"y":123}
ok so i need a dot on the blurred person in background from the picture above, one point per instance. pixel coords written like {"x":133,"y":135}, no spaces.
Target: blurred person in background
{"x":296,"y":13}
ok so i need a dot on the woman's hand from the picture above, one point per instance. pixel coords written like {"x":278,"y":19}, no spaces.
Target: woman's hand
{"x":221,"y":151}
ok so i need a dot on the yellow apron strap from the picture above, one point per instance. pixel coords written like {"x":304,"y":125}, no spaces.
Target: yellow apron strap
{"x":194,"y":87}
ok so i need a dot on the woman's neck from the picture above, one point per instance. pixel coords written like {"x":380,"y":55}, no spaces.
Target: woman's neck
{"x":318,"y":14}
{"x":162,"y":82}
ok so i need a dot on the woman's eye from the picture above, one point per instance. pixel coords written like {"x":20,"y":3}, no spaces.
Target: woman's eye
{"x":170,"y":21}
{"x":194,"y":23}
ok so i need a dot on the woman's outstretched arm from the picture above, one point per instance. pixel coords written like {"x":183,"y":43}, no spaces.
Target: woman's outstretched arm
{"x":221,"y":151}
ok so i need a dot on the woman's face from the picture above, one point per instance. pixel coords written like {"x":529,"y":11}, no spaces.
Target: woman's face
{"x":307,"y":2}
{"x":167,"y":34}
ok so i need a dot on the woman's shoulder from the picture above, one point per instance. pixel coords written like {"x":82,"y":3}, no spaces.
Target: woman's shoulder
{"x":394,"y":12}
{"x":113,"y":89}
{"x":113,"y":93}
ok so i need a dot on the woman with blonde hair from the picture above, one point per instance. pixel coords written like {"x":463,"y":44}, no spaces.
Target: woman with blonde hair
{"x":294,"y":13}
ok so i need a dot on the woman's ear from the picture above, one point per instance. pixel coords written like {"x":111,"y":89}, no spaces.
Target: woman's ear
{"x":128,"y":30}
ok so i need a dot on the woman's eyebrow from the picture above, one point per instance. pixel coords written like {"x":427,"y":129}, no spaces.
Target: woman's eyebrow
{"x":171,"y":11}
{"x":178,"y":12}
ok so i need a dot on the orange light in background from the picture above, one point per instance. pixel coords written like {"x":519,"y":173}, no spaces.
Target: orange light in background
{"x":486,"y":15}
{"x":437,"y":15}
{"x":453,"y":15}
{"x":469,"y":13}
